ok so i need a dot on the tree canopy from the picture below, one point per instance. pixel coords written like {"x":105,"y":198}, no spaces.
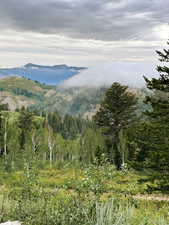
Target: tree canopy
{"x":116,"y":113}
{"x":156,"y":145}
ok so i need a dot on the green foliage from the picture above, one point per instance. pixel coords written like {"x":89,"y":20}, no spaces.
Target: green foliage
{"x":25,"y":125}
{"x":32,"y":204}
{"x":49,"y":138}
{"x":116,"y":113}
{"x":158,"y":129}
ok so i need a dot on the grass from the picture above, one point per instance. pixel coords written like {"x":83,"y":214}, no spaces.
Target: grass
{"x":17,"y":82}
{"x":69,"y":196}
{"x":89,"y":179}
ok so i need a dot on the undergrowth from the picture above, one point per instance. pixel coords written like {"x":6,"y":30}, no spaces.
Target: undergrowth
{"x":97,"y":195}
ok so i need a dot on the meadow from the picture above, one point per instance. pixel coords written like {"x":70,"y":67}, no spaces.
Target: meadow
{"x":69,"y":195}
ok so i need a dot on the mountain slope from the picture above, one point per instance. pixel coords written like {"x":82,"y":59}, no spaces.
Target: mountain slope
{"x":18,"y":92}
{"x":45,"y":74}
{"x":73,"y":101}
{"x":84,"y":101}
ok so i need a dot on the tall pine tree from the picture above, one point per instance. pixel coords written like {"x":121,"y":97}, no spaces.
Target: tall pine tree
{"x":25,"y":125}
{"x":115,"y":114}
{"x":158,"y":144}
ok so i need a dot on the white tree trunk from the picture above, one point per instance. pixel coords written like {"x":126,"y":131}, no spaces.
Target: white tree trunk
{"x":5,"y":137}
{"x":50,"y":146}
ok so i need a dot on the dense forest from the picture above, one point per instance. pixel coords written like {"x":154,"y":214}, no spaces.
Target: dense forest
{"x":118,"y":143}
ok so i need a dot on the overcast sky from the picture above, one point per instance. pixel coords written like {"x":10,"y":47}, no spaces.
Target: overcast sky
{"x":81,"y":32}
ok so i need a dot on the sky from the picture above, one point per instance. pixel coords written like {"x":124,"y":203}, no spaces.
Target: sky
{"x":81,"y":32}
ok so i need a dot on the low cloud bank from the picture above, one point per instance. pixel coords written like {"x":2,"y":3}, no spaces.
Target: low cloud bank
{"x":128,"y":73}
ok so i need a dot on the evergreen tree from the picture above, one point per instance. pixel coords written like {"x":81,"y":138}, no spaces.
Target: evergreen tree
{"x":137,"y":148}
{"x":116,"y":113}
{"x":158,"y":144}
{"x":55,"y":121}
{"x":25,"y":125}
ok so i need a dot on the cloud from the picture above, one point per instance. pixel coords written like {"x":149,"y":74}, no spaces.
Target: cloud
{"x":128,"y":73}
{"x":81,"y":32}
{"x":18,"y":48}
{"x":105,"y":20}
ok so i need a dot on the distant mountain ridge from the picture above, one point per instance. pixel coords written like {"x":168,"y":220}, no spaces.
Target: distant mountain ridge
{"x":61,"y":66}
{"x":53,"y":75}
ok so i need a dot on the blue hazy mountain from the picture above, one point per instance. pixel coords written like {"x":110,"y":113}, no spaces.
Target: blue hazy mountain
{"x":53,"y":75}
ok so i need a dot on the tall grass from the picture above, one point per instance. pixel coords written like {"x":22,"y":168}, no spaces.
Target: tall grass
{"x":40,"y":208}
{"x":111,"y":213}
